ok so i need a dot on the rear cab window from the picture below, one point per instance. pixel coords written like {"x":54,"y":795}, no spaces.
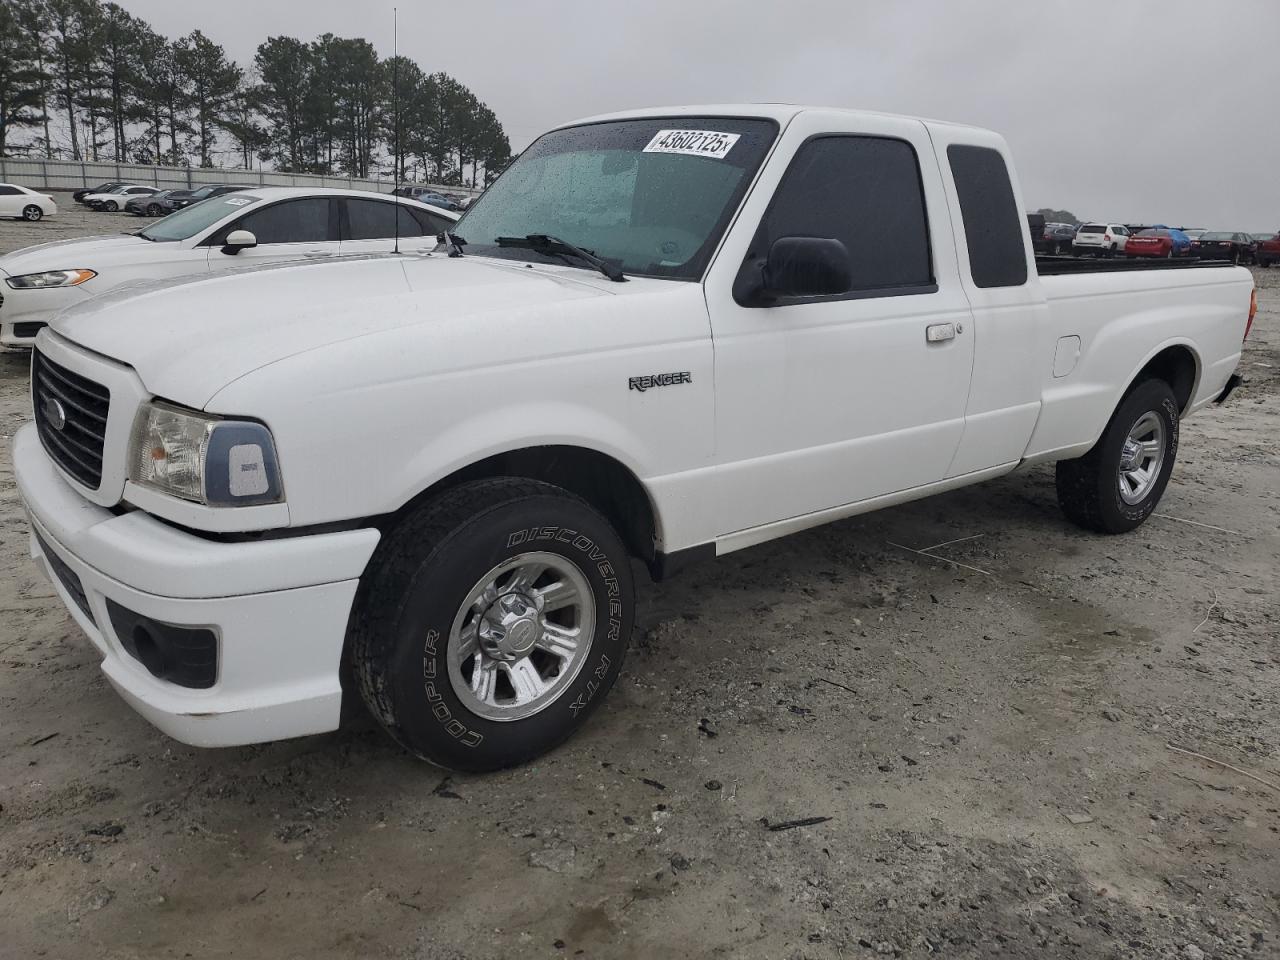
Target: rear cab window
{"x":992,"y":224}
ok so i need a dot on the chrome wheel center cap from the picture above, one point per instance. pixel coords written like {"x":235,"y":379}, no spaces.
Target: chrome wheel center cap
{"x":1131,"y":455}
{"x":509,"y":628}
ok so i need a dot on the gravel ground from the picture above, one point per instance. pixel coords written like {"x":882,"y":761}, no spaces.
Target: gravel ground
{"x":988,"y":751}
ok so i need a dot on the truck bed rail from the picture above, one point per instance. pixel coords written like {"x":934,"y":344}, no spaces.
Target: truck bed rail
{"x":1054,"y":266}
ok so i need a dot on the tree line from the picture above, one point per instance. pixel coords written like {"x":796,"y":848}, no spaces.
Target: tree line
{"x":87,"y":80}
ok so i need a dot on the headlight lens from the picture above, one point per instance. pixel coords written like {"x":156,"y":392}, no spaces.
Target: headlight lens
{"x":51,"y":278}
{"x":204,"y":459}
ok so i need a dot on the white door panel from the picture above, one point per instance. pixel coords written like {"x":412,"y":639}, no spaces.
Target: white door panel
{"x":821,"y":404}
{"x":1009,"y":324}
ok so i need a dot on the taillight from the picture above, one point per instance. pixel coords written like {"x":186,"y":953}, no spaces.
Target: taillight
{"x":1253,"y":310}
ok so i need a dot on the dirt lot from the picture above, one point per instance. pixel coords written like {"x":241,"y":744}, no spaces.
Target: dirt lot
{"x":991,"y":749}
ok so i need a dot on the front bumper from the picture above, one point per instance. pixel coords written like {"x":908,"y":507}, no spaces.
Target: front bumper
{"x":24,"y":312}
{"x":278,"y":608}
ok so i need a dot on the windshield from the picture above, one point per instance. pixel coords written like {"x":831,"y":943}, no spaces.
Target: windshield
{"x":654,"y":195}
{"x":189,"y":221}
{"x":1215,"y":236}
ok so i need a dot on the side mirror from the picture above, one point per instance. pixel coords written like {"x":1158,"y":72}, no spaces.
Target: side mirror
{"x":796,"y":267}
{"x":238,"y":240}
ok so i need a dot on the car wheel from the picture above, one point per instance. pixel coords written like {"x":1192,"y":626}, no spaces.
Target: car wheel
{"x":1115,"y":486}
{"x":110,"y":206}
{"x":153,"y":210}
{"x":491,"y":623}
{"x":32,"y":213}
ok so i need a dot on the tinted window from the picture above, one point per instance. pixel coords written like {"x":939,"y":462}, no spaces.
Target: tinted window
{"x":1093,"y":228}
{"x":293,"y":221}
{"x":1154,"y":233}
{"x":8,"y":191}
{"x":376,"y":220}
{"x":864,"y":192}
{"x":996,"y":254}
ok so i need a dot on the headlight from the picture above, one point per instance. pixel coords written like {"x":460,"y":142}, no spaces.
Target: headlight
{"x":206,"y":459}
{"x":50,"y":278}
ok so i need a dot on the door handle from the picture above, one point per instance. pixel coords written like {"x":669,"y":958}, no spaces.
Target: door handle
{"x":938,"y":332}
{"x":316,"y":254}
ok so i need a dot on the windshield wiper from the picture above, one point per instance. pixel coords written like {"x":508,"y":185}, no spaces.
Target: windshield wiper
{"x":542,"y":243}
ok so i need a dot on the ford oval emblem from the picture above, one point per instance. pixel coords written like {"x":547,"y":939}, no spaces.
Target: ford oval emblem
{"x":54,"y":413}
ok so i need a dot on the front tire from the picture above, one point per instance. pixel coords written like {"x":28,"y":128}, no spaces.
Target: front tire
{"x":1115,"y":486}
{"x":491,"y":623}
{"x":153,"y":210}
{"x":32,"y":213}
{"x":110,"y":206}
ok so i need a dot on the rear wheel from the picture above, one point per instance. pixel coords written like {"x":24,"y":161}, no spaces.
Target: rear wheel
{"x":491,"y":623}
{"x":32,"y":213}
{"x":1115,"y":486}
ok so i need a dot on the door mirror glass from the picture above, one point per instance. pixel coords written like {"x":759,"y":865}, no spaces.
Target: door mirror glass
{"x":799,"y":267}
{"x":238,"y":240}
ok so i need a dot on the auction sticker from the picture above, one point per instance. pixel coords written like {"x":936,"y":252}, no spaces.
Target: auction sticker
{"x":694,"y":143}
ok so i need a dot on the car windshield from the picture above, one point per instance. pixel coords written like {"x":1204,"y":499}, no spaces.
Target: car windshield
{"x":653,"y":195}
{"x":1215,"y":236}
{"x":189,"y":221}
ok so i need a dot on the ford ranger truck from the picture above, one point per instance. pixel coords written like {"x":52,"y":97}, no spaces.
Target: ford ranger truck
{"x":660,"y":336}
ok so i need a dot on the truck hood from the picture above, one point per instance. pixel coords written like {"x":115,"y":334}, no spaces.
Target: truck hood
{"x":84,"y":252}
{"x":189,"y":338}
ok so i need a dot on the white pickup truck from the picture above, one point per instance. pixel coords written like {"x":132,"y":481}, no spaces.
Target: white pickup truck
{"x":660,"y":335}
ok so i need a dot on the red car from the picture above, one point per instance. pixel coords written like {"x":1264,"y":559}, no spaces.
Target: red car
{"x":1154,"y":242}
{"x":1267,"y":252}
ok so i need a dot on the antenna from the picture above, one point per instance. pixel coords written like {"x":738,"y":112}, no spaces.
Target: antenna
{"x":395,"y":110}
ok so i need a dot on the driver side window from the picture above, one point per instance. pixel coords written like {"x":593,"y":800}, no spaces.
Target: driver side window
{"x":293,"y":221}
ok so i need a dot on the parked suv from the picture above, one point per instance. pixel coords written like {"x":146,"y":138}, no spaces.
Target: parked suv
{"x":1101,"y":239}
{"x":1056,"y":238}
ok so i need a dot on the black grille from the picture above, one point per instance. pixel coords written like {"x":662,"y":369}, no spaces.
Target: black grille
{"x":77,"y":445}
{"x":28,"y":329}
{"x":67,"y":577}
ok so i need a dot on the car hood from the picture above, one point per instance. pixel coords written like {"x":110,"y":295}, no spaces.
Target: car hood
{"x":189,"y":338}
{"x":83,"y":252}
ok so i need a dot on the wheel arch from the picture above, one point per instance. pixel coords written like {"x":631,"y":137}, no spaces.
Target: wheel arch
{"x":602,"y":480}
{"x":1177,"y":364}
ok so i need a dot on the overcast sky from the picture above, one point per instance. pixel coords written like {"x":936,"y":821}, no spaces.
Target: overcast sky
{"x":1131,"y":110}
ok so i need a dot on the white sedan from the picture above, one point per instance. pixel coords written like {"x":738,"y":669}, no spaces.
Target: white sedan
{"x":115,"y":199}
{"x":235,"y":230}
{"x":16,"y":201}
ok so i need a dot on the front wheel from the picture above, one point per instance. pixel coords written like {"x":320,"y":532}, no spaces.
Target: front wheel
{"x":32,"y":213}
{"x":1115,"y":486}
{"x":153,"y":210}
{"x":491,"y":623}
{"x":110,"y":206}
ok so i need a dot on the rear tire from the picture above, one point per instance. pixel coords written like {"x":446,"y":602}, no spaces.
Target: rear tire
{"x":32,"y":213}
{"x":446,"y":592}
{"x":1115,"y":486}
